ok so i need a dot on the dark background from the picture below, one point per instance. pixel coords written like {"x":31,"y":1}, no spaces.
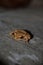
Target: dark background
{"x":21,"y":3}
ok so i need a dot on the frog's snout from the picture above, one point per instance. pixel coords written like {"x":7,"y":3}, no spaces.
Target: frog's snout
{"x":12,"y":33}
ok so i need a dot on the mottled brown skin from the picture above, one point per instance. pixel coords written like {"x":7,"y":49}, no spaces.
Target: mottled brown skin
{"x":20,"y":35}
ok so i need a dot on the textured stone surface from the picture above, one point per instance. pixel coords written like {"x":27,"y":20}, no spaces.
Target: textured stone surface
{"x":18,"y":52}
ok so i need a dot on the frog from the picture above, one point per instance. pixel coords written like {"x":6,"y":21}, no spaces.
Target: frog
{"x":21,"y":34}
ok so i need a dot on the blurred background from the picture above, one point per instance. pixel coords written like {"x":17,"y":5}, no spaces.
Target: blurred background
{"x":21,"y":3}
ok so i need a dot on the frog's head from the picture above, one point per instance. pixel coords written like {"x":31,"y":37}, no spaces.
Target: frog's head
{"x":12,"y":34}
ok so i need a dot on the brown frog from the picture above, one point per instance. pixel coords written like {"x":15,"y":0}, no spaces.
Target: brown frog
{"x":20,"y":34}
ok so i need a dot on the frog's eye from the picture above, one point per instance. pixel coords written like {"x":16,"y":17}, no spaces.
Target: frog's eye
{"x":12,"y":33}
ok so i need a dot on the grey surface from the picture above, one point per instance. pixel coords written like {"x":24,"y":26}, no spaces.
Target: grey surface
{"x":19,"y":52}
